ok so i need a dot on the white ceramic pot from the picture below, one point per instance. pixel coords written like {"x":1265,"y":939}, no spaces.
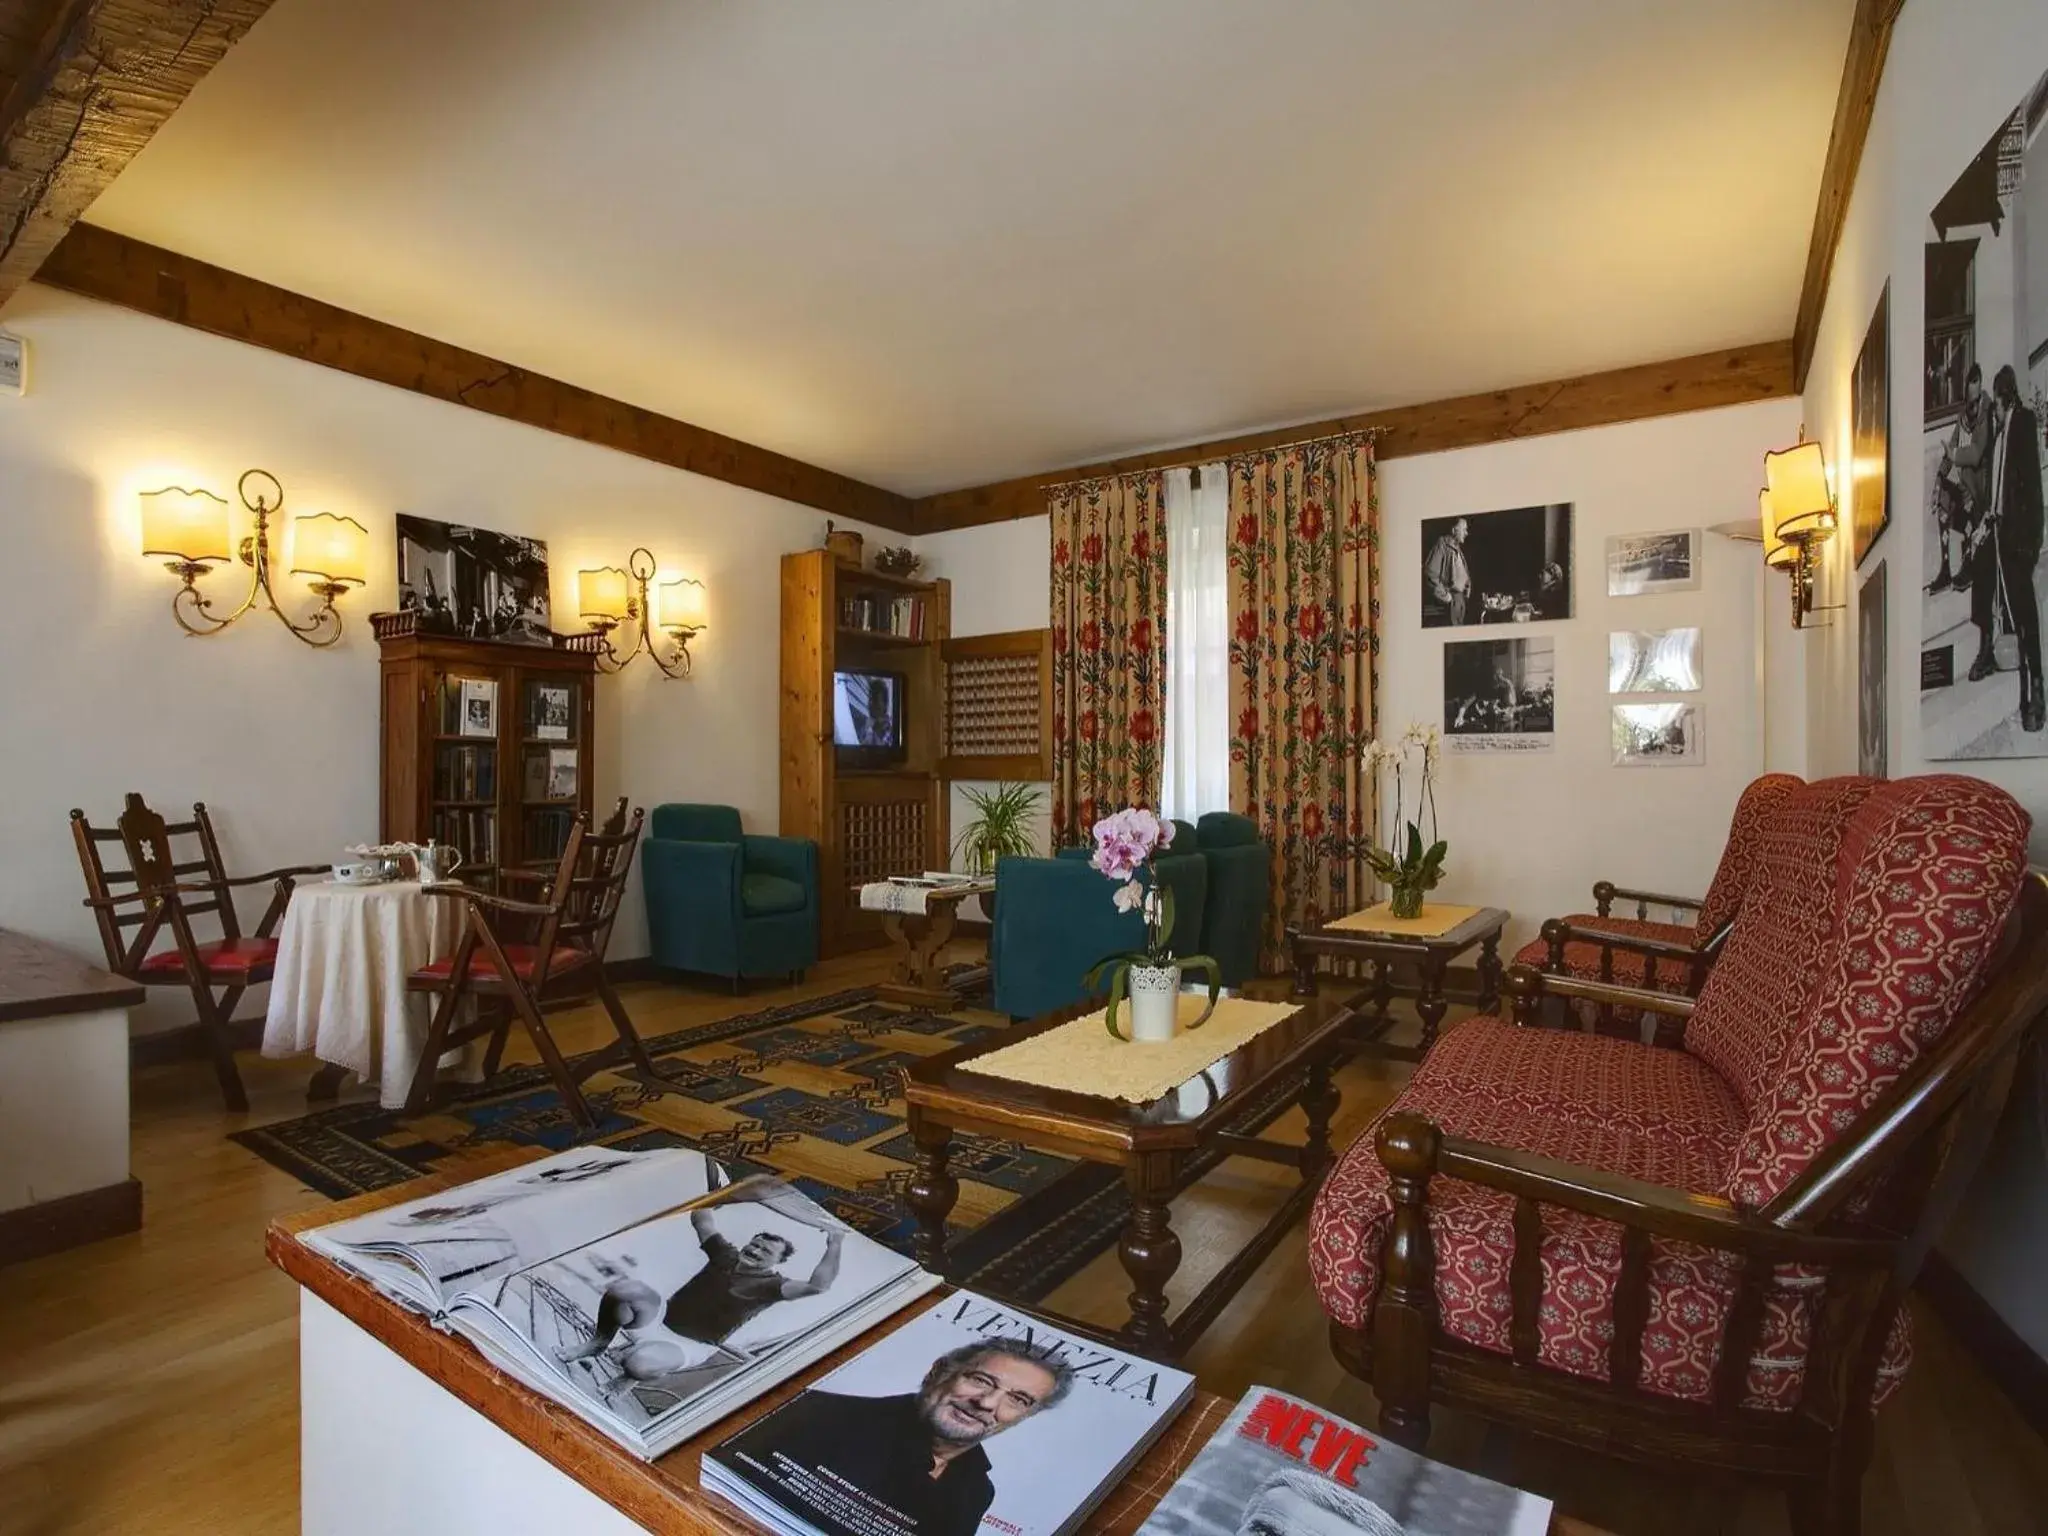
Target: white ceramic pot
{"x":1154,"y":1001}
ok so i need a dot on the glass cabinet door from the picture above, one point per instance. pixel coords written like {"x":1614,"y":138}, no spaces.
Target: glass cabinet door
{"x":464,"y":790}
{"x":551,"y":749}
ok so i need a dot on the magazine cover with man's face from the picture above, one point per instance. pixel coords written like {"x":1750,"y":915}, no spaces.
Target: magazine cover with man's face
{"x":973,"y":1417}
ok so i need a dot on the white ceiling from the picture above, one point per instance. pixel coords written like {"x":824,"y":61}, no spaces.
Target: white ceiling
{"x":933,"y":243}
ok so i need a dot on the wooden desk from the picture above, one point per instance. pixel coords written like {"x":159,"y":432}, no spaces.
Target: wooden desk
{"x":918,"y":980}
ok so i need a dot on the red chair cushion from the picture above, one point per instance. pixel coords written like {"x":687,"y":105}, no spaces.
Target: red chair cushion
{"x":1603,"y":1103}
{"x":1737,"y":869}
{"x":524,"y":958}
{"x":1582,"y":959}
{"x":226,"y":959}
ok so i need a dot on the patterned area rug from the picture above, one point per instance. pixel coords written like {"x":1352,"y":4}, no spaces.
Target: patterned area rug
{"x":809,"y":1090}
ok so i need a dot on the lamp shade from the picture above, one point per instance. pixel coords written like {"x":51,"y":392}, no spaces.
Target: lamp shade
{"x":603,"y":593}
{"x":681,"y":603}
{"x":1800,"y":502}
{"x":332,"y":549}
{"x":178,"y":524}
{"x":1777,"y":553}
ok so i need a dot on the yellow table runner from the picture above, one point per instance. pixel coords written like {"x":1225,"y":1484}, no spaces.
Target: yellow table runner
{"x":1433,"y":921}
{"x":1083,"y":1057}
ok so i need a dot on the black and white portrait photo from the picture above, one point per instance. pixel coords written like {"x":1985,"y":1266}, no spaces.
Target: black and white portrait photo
{"x":1870,"y":423}
{"x":1497,"y":567}
{"x":1500,"y":695}
{"x":473,"y":582}
{"x":551,"y":712}
{"x":479,"y":706}
{"x":1657,"y":735}
{"x":1873,"y":713}
{"x":1641,"y":563}
{"x":1986,"y":366}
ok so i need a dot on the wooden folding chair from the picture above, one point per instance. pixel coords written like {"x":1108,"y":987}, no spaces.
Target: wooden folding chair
{"x":160,"y":894}
{"x":515,"y":956}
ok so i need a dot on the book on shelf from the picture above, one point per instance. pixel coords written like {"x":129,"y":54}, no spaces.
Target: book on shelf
{"x":900,"y":616}
{"x":972,"y":1416}
{"x":651,"y":1293}
{"x":1279,"y":1464}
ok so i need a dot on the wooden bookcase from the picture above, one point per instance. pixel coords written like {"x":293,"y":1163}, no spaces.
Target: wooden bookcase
{"x":506,"y":789}
{"x":869,"y":823}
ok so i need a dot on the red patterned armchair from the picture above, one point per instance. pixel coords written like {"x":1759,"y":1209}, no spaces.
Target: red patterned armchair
{"x":1662,"y":957}
{"x":1696,"y":1257}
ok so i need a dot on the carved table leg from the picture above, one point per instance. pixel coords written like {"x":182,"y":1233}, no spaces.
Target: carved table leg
{"x":1318,"y":1102}
{"x":1490,"y":972}
{"x":1304,"y":965}
{"x":931,"y":1191}
{"x":1382,"y":990}
{"x":1432,"y":1005}
{"x":1150,"y":1251}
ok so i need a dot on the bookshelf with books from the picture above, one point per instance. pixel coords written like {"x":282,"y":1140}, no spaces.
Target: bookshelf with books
{"x":485,"y":746}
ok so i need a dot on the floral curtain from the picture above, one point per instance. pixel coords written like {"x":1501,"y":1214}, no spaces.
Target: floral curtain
{"x":1304,"y":651}
{"x":1109,"y":648}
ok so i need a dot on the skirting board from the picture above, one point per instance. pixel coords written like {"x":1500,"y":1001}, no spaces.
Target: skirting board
{"x":2004,"y":1356}
{"x":51,"y":1226}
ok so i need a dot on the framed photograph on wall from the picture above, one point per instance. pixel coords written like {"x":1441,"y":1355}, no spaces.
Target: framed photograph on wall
{"x":473,"y":582}
{"x":1654,"y":660}
{"x":1870,"y":431}
{"x":1873,"y":706}
{"x":1503,"y":567}
{"x":1500,"y":695}
{"x":1657,"y":735}
{"x":1641,"y":563}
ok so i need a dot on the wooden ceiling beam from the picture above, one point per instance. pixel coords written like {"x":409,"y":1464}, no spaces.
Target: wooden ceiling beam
{"x":1870,"y":39}
{"x":100,"y":79}
{"x":1733,"y":377}
{"x":100,"y":264}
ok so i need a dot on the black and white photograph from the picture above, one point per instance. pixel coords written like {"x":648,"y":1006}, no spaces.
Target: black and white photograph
{"x":970,"y":1417}
{"x":551,"y":712}
{"x":1654,"y":660}
{"x":1986,"y":327}
{"x":473,"y":582}
{"x":1873,"y":707}
{"x":1639,"y":564}
{"x":1870,"y":432}
{"x":1665,"y":735}
{"x":561,"y":773}
{"x":1279,"y":1464}
{"x":479,"y":706}
{"x":1500,"y":695}
{"x":1510,"y":566}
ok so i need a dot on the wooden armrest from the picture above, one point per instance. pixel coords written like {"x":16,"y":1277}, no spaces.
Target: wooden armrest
{"x":530,"y":876}
{"x":495,"y":903}
{"x":1605,"y":891}
{"x":119,"y":899}
{"x":1655,"y":1208}
{"x":1528,"y":985}
{"x":290,"y":872}
{"x":1590,"y":933}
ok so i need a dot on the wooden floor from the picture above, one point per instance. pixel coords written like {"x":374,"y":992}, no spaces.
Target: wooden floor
{"x":150,"y":1383}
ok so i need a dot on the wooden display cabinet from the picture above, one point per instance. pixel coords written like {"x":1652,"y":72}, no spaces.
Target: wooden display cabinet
{"x":486,"y":745}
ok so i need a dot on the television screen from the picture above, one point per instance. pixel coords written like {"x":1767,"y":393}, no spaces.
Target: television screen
{"x":867,"y":712}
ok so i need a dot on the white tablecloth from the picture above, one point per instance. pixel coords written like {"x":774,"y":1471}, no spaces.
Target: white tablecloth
{"x":343,"y":953}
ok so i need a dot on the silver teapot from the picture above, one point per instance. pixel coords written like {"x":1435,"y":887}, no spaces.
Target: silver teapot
{"x":436,"y":861}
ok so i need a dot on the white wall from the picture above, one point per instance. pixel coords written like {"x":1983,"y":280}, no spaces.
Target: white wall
{"x":1533,"y":833}
{"x":102,"y":694}
{"x":1954,"y":71}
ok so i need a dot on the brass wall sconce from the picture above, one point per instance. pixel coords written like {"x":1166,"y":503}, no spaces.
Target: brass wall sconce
{"x":188,"y":530}
{"x":607,"y":597}
{"x":1797,"y":510}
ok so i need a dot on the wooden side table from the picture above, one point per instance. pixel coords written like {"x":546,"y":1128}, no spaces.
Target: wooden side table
{"x":918,"y":938}
{"x":1430,"y":955}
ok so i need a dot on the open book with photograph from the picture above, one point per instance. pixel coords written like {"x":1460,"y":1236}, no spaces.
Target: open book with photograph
{"x":1279,"y":1464}
{"x":650,"y":1292}
{"x":972,"y":1415}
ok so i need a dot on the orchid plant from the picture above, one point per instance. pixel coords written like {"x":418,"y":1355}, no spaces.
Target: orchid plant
{"x":1407,"y":863}
{"x":1126,"y":843}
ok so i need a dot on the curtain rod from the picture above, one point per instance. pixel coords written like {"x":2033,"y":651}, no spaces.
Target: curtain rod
{"x":1211,"y":458}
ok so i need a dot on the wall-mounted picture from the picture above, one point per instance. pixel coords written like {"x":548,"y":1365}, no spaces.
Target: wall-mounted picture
{"x":479,"y":706}
{"x":1641,"y":563}
{"x":1985,"y":371}
{"x":1500,"y":567}
{"x":1870,"y":431}
{"x":1873,"y":710}
{"x":1653,"y":660}
{"x":473,"y":582}
{"x":1657,"y":735}
{"x":1500,"y":695}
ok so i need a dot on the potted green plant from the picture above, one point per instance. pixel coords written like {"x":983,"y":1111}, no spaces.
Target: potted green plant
{"x":1409,"y":865}
{"x":1001,"y":828}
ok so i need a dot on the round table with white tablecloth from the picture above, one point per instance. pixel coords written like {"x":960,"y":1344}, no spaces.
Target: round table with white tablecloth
{"x":343,"y":953}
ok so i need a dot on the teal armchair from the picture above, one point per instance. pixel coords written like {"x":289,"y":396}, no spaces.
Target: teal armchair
{"x":725,"y":903}
{"x":1240,"y":870}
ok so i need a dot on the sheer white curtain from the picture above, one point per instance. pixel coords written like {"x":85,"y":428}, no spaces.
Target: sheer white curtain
{"x":1197,"y":757}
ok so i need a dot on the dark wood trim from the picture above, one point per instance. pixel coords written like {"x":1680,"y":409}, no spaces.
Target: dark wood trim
{"x":188,"y":1043}
{"x":1999,"y":1351}
{"x":99,"y":264}
{"x":639,"y":968}
{"x":1733,"y":377}
{"x":1870,"y":38}
{"x":105,"y":76}
{"x":39,"y":980}
{"x":51,"y":1226}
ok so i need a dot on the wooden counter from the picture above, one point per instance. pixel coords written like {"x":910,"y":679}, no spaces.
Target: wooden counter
{"x":38,"y":980}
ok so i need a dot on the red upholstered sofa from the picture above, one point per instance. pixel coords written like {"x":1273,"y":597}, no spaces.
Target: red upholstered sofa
{"x":1647,"y":1249}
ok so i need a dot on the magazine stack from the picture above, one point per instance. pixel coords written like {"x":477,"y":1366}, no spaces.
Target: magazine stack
{"x":1280,"y":1465}
{"x":970,"y":1416}
{"x":650,"y":1292}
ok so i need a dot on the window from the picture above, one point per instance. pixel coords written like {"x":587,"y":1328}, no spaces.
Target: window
{"x":1197,"y":756}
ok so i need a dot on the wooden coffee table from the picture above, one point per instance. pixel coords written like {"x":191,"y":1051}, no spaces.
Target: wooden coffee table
{"x":1158,"y":1145}
{"x":1430,"y":956}
{"x":919,"y":938}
